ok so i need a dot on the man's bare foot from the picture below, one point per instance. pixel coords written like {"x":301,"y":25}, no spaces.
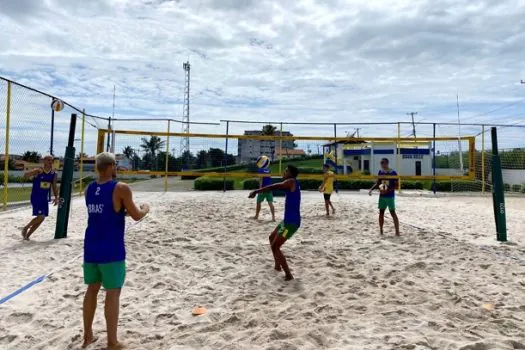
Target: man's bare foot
{"x":397,"y":234}
{"x":333,"y":211}
{"x":277,"y":268}
{"x":117,"y":346}
{"x":88,"y":340}
{"x":273,"y":220}
{"x":255,"y":217}
{"x":381,"y":233}
{"x":288,"y":278}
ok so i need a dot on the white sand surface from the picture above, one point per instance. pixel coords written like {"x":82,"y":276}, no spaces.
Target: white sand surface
{"x":353,"y":288}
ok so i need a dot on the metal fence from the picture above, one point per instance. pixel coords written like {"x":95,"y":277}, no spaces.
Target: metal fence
{"x":455,"y":156}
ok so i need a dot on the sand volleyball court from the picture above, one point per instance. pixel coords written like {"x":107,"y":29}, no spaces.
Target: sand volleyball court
{"x":445,"y":284}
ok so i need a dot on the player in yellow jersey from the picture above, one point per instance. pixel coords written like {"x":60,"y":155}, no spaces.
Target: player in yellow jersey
{"x":328,"y":188}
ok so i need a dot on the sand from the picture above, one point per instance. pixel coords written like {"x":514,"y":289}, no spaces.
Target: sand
{"x":353,"y":288}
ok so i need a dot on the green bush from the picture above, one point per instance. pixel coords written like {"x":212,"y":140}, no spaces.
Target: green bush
{"x":506,"y":187}
{"x":189,"y":177}
{"x":460,"y":186}
{"x":310,"y":184}
{"x":523,"y":188}
{"x":355,"y":184}
{"x":212,"y":184}
{"x":310,"y":170}
{"x":412,"y":185}
{"x":250,"y":184}
{"x":516,"y":188}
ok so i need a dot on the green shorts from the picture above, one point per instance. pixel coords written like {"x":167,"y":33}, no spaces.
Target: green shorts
{"x":387,"y":202}
{"x":286,"y":230}
{"x":111,"y":275}
{"x":266,"y":195}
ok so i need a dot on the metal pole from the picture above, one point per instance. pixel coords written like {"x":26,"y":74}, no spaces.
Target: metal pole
{"x":483,"y":158}
{"x":281,"y":150}
{"x":167,"y":159}
{"x":82,"y":152}
{"x":459,"y":139}
{"x":225,"y":156}
{"x":498,"y":190}
{"x":52,"y":130}
{"x":109,"y":134}
{"x":336,"y":163}
{"x":6,"y":155}
{"x":398,"y":160}
{"x":434,"y":161}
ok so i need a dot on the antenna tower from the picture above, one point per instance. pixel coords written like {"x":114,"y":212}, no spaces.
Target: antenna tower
{"x":185,"y":142}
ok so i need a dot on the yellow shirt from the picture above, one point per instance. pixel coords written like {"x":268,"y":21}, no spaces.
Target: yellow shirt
{"x":328,"y":182}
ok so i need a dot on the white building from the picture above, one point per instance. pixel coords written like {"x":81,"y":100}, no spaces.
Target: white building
{"x":415,"y":158}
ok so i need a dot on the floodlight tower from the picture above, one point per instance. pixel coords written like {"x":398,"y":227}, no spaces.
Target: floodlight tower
{"x":185,"y":142}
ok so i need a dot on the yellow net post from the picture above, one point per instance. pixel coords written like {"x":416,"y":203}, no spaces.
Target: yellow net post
{"x":483,"y":159}
{"x":398,"y":154}
{"x":281,"y":150}
{"x":81,"y":189}
{"x":6,"y":155}
{"x":167,"y":159}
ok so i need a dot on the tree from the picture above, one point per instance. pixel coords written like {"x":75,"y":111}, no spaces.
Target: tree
{"x":217,"y":157}
{"x":81,"y":156}
{"x":202,"y":160}
{"x":269,"y":130}
{"x":129,"y":152}
{"x":31,"y":157}
{"x":152,"y":146}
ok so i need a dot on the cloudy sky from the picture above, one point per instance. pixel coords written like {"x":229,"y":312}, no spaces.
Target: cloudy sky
{"x":311,"y":60}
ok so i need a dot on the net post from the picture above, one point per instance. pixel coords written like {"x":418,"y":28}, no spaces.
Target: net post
{"x":225,"y":156}
{"x":398,"y":155}
{"x":336,"y":164}
{"x":82,"y":138}
{"x":6,"y":155}
{"x":434,"y":159}
{"x":281,"y":149}
{"x":483,"y":159}
{"x":109,"y":134}
{"x":167,"y":158}
{"x":52,"y":128}
{"x":498,"y":190}
{"x":66,"y":183}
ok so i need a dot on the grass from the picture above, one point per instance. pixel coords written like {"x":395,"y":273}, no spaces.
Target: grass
{"x":20,"y":194}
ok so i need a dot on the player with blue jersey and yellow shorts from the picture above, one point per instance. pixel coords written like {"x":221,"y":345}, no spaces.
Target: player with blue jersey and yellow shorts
{"x":292,"y":216}
{"x":44,"y":180}
{"x":108,"y":202}
{"x":387,"y":197}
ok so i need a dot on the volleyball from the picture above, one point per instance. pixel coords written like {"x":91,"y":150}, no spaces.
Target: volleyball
{"x":57,"y":105}
{"x":383,"y":187}
{"x":263,"y":162}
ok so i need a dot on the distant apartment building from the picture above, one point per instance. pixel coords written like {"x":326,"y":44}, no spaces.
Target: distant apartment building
{"x":250,"y":149}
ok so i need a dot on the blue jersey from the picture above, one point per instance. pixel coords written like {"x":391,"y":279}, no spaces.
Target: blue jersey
{"x":292,"y":206}
{"x":391,"y":183}
{"x":104,"y":238}
{"x":42,"y":186}
{"x":266,"y":181}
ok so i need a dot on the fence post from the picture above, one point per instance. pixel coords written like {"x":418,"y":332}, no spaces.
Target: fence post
{"x":81,"y":190}
{"x":397,"y":157}
{"x":109,"y":134}
{"x":225,"y":156}
{"x":167,"y":159}
{"x":336,"y":163}
{"x":434,"y":160}
{"x":6,"y":155}
{"x":281,"y":149}
{"x":498,"y":196}
{"x":483,"y":159}
{"x":66,"y":183}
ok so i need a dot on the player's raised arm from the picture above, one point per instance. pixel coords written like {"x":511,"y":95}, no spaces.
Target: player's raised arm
{"x":126,"y":197}
{"x":286,"y":184}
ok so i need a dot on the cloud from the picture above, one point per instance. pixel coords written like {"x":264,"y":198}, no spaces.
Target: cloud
{"x":314,"y":61}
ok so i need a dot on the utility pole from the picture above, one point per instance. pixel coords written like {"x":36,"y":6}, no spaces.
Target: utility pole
{"x":413,"y":123}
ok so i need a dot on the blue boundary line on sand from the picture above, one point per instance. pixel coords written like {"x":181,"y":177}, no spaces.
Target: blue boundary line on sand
{"x":23,"y":289}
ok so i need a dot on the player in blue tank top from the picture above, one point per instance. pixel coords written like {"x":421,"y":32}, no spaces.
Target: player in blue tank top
{"x":292,"y":216}
{"x":268,"y":196}
{"x":44,"y":180}
{"x":387,"y":197}
{"x":108,"y":202}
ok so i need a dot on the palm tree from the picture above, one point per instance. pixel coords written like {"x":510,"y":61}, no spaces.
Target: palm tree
{"x":269,"y":130}
{"x":129,"y":152}
{"x":152,"y":146}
